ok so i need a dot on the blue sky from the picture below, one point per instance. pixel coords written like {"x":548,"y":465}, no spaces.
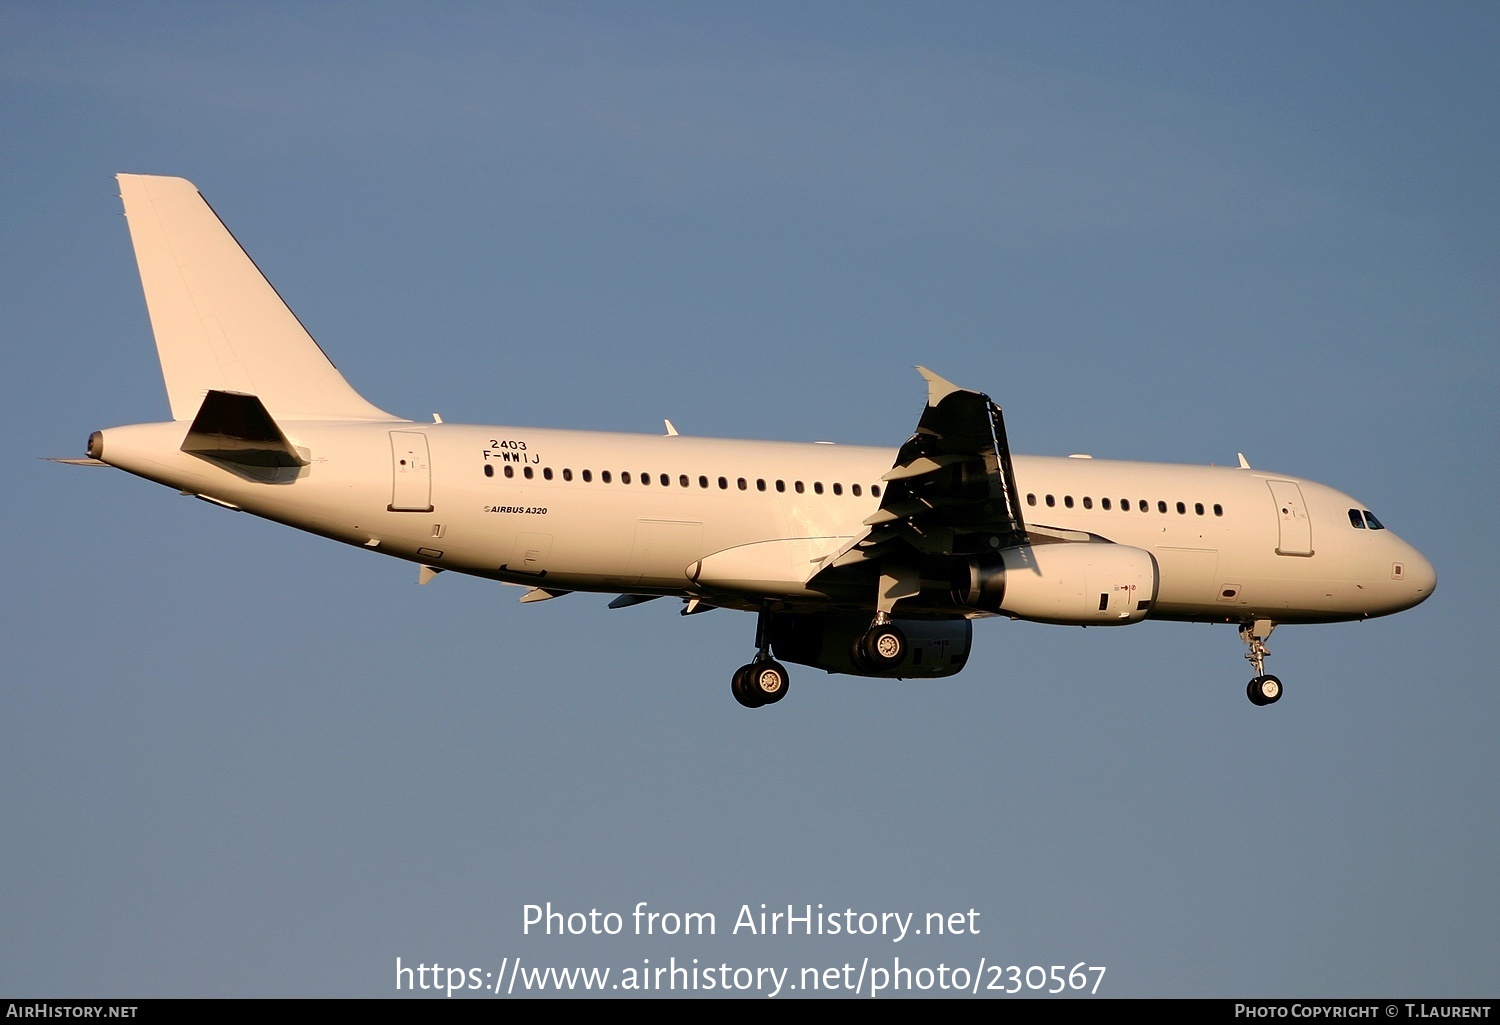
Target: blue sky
{"x":244,"y":761}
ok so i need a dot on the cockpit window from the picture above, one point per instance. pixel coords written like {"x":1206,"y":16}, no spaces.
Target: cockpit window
{"x":1372,"y":522}
{"x":1356,"y":520}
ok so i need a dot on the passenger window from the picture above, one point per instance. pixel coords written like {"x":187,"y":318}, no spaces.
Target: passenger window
{"x":510,"y":471}
{"x":702,"y":481}
{"x":760,"y":484}
{"x":666,"y":481}
{"x":1031,"y":500}
{"x":1181,"y":509}
{"x":604,"y":476}
{"x":1068,"y":501}
{"x":781,"y":487}
{"x":875,"y":490}
{"x":1218,"y":509}
{"x":567,"y":474}
{"x":817,"y":487}
{"x":1104,"y":504}
{"x":527,"y":472}
{"x":854,"y":488}
{"x":838,"y":489}
{"x":723,"y":484}
{"x":547,"y":473}
{"x":1088,"y":503}
{"x":588,"y":476}
{"x":1145,"y":506}
{"x":741,"y":482}
{"x":489,"y":471}
{"x":1051,"y":502}
{"x":797,"y":486}
{"x":646,"y":479}
{"x":1161,"y":506}
{"x":624,"y":478}
{"x":1198,"y":508}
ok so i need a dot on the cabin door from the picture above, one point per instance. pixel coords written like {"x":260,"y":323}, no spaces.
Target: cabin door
{"x":411,"y":488}
{"x":1295,"y":537}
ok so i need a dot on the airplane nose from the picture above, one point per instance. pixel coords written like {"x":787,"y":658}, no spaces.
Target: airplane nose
{"x":1420,"y":576}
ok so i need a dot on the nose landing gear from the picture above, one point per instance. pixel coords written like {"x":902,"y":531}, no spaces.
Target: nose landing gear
{"x":1263,"y":689}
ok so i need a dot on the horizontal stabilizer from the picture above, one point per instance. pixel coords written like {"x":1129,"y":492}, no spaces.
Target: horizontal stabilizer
{"x":237,"y":429}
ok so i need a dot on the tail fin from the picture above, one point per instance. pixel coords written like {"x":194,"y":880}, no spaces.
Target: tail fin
{"x":219,"y":324}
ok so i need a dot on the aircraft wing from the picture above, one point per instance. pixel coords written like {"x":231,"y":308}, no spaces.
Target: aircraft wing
{"x":952,"y":490}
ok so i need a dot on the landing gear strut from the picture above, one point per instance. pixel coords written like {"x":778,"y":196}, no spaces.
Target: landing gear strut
{"x":764,"y":680}
{"x":1264,"y":689}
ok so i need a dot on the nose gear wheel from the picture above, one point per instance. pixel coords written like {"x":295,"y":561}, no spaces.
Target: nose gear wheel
{"x":1263,"y":689}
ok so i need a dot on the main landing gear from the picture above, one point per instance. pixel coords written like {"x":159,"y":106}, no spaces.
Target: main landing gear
{"x":1263,"y":690}
{"x":881,"y":647}
{"x":764,"y":680}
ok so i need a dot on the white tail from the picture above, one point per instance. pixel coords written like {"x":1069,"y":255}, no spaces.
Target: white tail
{"x":219,"y":324}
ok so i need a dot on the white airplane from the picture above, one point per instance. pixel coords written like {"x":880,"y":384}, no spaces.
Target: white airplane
{"x":868,"y":561}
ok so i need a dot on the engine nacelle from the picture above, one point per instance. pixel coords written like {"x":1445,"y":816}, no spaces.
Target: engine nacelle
{"x":936,"y":647}
{"x":1072,"y":583}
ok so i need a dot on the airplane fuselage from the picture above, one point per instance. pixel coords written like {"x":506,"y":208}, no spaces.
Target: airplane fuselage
{"x":623,"y":513}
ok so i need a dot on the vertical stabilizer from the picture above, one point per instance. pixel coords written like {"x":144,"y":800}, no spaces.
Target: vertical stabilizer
{"x":219,"y":324}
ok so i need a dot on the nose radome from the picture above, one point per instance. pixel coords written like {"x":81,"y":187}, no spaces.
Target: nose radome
{"x":1418,"y":574}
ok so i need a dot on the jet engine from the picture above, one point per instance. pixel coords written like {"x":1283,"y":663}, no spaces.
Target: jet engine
{"x":1071,"y":583}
